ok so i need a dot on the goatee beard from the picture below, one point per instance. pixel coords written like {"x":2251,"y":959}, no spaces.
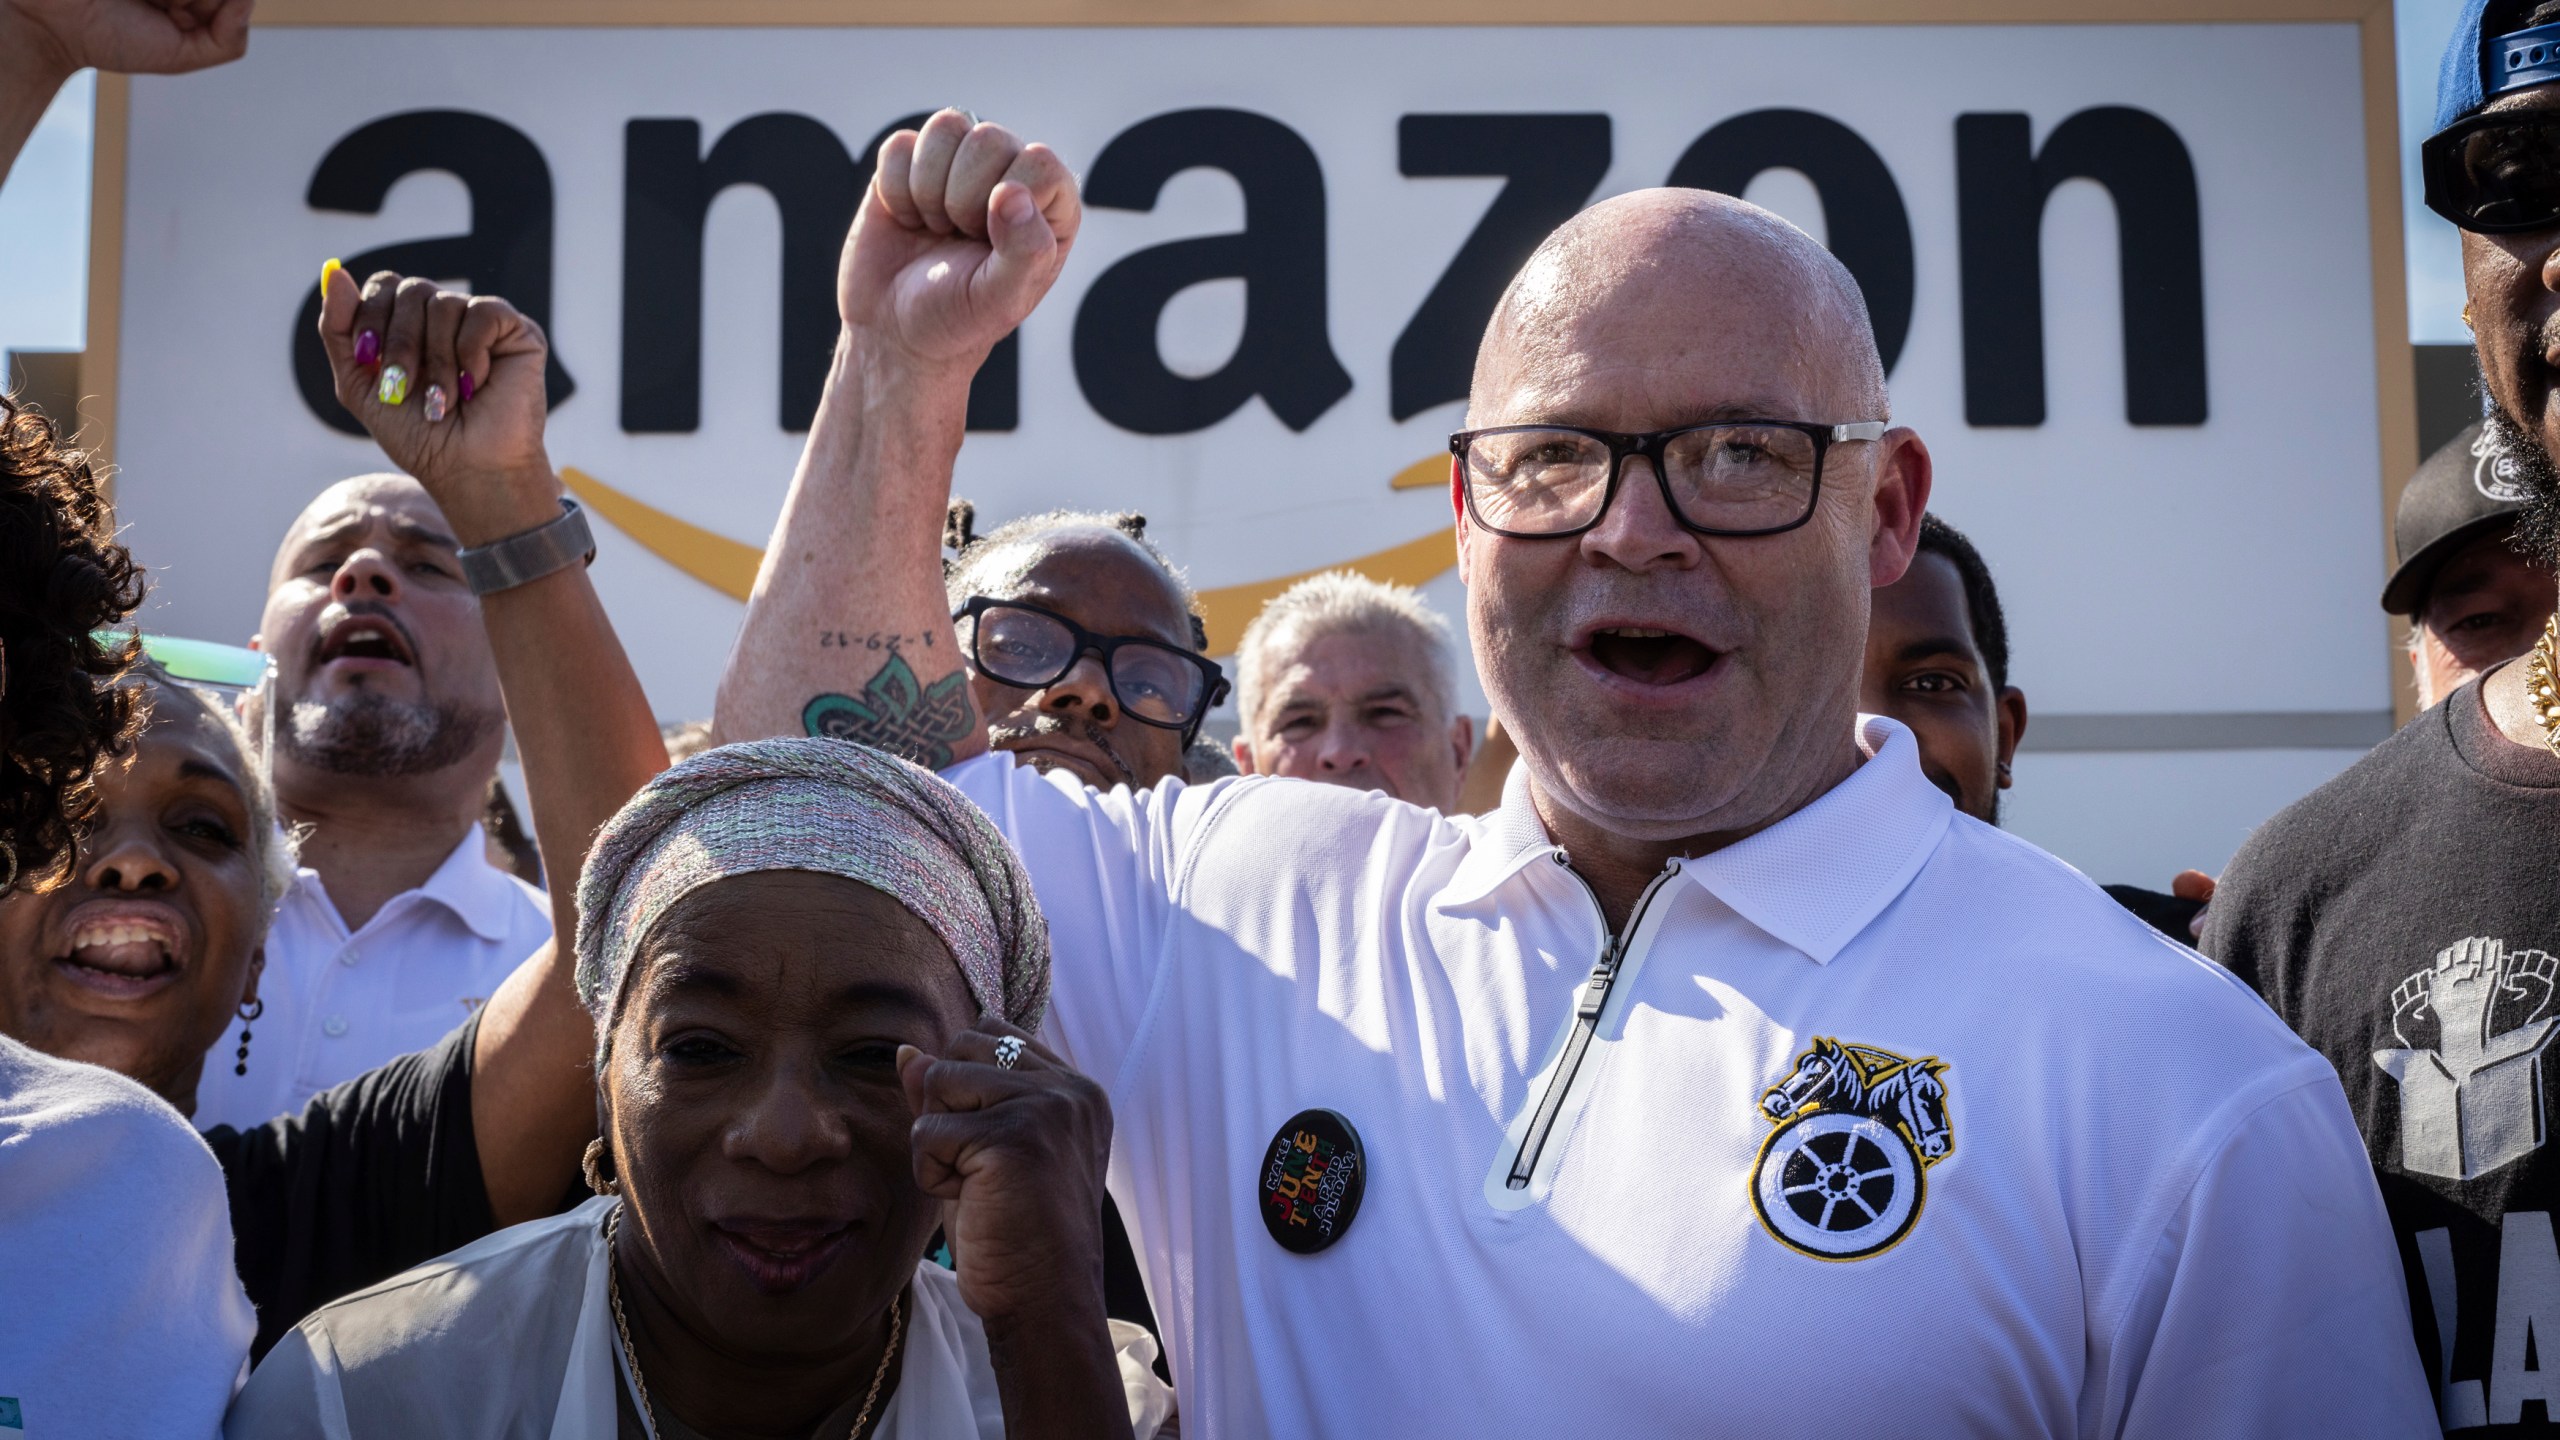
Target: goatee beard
{"x":371,"y":734}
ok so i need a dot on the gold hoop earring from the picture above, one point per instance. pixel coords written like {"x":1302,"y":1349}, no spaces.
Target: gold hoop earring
{"x":594,"y":1164}
{"x":2466,"y":314}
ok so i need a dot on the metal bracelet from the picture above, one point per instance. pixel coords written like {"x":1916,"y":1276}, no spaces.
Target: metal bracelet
{"x":520,"y":559}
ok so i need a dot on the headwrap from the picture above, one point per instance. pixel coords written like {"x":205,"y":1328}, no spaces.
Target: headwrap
{"x":827,"y":806}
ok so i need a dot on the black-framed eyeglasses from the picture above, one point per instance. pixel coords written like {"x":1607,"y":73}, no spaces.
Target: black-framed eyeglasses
{"x":2496,"y":174}
{"x":1155,"y":683}
{"x":1734,"y":477}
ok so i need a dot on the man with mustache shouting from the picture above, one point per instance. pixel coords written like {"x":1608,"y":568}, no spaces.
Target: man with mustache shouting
{"x":383,"y":727}
{"x":1724,"y":1080}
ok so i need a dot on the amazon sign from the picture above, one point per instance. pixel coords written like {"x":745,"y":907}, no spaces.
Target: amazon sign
{"x":2123,"y":278}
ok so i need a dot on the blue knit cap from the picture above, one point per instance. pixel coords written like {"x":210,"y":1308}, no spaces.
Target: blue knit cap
{"x":2474,"y":73}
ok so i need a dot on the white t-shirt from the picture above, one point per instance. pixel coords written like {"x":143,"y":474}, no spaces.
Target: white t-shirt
{"x":2027,"y":1170}
{"x":339,"y":1004}
{"x":120,"y":1315}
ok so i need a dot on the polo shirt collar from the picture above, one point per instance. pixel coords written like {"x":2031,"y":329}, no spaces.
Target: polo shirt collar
{"x":1512,"y":837}
{"x":1816,"y":879}
{"x":479,"y":894}
{"x":1813,"y":881}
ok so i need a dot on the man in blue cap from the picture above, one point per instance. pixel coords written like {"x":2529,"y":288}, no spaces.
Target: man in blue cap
{"x":2403,"y":918}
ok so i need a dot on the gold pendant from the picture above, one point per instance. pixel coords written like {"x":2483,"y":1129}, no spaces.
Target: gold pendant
{"x":2541,"y":691}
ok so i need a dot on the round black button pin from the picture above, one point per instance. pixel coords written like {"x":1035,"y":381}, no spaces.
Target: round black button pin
{"x":1312,"y":1174}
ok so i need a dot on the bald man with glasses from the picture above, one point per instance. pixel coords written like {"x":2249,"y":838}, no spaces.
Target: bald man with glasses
{"x":1723,"y":1079}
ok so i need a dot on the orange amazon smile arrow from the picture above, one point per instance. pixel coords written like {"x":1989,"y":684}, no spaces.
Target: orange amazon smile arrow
{"x":729,"y":566}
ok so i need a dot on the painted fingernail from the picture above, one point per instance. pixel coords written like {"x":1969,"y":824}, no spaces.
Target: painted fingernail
{"x":328,"y":268}
{"x":394,"y":387}
{"x":466,"y":387}
{"x":368,"y":348}
{"x":435,"y":404}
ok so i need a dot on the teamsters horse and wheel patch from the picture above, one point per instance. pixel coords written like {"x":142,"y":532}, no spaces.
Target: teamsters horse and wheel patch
{"x":1844,"y":1174}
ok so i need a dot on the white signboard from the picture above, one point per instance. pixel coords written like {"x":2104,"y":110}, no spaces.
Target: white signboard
{"x":2123,"y":274}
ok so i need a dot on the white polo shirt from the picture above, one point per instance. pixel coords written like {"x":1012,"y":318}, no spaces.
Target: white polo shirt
{"x":2033,"y":1171}
{"x":339,"y":1004}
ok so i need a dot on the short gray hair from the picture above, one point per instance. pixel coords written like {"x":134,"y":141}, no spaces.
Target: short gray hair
{"x":968,"y":568}
{"x":275,"y":847}
{"x":1336,"y":602}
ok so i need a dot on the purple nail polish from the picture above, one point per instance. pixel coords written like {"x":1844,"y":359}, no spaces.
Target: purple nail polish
{"x":466,"y":387}
{"x":368,"y":348}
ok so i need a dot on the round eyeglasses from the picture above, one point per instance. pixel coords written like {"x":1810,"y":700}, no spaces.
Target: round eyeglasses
{"x":1027,"y":646}
{"x":1738,"y":477}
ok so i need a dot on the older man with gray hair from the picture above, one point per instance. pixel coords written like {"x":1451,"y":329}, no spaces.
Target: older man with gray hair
{"x":1724,"y":1079}
{"x":1349,"y":681}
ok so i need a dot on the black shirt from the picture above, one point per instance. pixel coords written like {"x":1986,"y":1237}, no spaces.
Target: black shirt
{"x":2165,"y":913}
{"x":2405,"y":919}
{"x":373,"y":1176}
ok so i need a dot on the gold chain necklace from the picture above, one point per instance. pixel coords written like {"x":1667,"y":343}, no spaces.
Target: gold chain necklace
{"x":2540,"y":690}
{"x":631,"y":1357}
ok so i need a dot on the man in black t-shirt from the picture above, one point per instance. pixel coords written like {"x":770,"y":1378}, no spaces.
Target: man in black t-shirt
{"x":2405,"y":917}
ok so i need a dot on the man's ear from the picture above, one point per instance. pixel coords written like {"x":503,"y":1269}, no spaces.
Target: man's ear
{"x":1462,"y":736}
{"x":1458,"y":515}
{"x":1244,"y":755}
{"x":2012,"y":710}
{"x":1903,"y":474}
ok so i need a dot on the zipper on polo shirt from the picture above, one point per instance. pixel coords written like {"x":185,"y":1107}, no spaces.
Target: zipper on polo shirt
{"x":1586,"y":1023}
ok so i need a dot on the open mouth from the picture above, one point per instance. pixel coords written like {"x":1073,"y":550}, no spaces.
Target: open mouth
{"x":783,"y":1255}
{"x":123,"y":953}
{"x":366,"y":638}
{"x":1646,"y":656}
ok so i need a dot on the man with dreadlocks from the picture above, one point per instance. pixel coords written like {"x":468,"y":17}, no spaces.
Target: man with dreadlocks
{"x":2402,"y":917}
{"x":1083,"y":644}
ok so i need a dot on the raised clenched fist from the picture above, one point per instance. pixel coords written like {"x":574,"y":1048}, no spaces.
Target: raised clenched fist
{"x":962,"y":232}
{"x":160,"y":37}
{"x":450,"y":386}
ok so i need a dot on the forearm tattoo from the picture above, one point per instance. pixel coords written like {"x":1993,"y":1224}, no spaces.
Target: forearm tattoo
{"x":872,"y":640}
{"x":900,"y":715}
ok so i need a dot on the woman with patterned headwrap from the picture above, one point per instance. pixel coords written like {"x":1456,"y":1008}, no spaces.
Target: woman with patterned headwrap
{"x":813,"y":971}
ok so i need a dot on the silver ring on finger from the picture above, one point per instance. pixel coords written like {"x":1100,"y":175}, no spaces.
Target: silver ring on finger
{"x":1008,"y":1052}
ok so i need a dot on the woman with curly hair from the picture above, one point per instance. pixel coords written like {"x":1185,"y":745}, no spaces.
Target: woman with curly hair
{"x":158,"y":927}
{"x":112,"y":1221}
{"x":63,"y":579}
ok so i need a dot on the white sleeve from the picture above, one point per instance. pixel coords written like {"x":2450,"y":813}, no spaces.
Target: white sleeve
{"x":1104,"y":866}
{"x":125,"y":1314}
{"x":293,"y":1396}
{"x":2273,"y":1303}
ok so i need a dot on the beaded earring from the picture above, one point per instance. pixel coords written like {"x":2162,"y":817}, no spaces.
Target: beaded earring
{"x":249,"y":1011}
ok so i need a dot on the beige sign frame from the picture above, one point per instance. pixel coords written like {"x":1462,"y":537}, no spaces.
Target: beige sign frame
{"x":2395,"y":376}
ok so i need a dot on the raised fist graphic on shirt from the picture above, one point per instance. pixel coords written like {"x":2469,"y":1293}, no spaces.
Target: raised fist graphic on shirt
{"x":2472,"y":1030}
